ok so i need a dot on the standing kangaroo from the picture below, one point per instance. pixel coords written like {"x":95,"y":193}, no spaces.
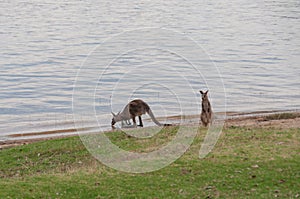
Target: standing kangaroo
{"x":135,"y":108}
{"x":206,"y":113}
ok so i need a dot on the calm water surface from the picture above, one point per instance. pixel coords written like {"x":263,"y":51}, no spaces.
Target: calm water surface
{"x":252,"y":47}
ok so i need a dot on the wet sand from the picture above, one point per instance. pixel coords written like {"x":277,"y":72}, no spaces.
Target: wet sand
{"x":256,"y":120}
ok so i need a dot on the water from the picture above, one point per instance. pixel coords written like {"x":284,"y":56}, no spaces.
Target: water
{"x":253,"y":45}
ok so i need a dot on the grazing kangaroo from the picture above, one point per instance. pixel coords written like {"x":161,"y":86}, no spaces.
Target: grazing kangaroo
{"x":206,"y":113}
{"x":135,"y":108}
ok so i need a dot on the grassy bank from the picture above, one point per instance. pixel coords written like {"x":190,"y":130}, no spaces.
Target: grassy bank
{"x":245,"y":163}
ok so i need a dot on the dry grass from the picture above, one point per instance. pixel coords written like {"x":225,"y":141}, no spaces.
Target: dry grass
{"x":282,"y":116}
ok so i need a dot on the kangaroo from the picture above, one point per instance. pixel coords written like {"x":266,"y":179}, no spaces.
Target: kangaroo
{"x":135,"y":108}
{"x":206,"y":113}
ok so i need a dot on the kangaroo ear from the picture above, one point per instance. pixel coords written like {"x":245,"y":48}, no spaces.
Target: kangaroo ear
{"x":113,"y":114}
{"x":201,"y":92}
{"x":119,"y":113}
{"x":206,"y":92}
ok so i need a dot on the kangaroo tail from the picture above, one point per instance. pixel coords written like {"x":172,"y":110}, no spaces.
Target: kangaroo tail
{"x":155,"y":120}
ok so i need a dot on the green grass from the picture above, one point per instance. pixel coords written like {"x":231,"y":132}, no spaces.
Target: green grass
{"x":245,"y":163}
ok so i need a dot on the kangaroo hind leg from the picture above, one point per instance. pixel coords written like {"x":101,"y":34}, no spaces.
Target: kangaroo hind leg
{"x":141,"y":122}
{"x":134,"y":121}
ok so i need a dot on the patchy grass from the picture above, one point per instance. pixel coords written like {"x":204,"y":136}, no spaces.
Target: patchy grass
{"x":161,"y":136}
{"x":245,"y":163}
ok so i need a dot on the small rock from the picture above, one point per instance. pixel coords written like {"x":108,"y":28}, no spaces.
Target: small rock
{"x":253,"y":176}
{"x":209,"y":187}
{"x":280,"y":143}
{"x":255,"y":166}
{"x":185,"y":171}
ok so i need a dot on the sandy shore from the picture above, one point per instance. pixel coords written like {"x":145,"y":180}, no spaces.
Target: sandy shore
{"x":276,"y":120}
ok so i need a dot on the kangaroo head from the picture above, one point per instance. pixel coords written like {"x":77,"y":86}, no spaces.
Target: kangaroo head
{"x":204,"y":95}
{"x":116,"y":118}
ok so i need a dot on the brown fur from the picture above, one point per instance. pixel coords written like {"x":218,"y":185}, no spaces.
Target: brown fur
{"x":138,"y":108}
{"x":132,"y":110}
{"x":206,"y":113}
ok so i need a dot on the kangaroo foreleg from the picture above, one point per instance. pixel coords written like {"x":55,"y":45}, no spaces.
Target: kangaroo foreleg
{"x":128,"y":122}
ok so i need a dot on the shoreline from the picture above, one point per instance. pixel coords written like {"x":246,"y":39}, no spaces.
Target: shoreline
{"x":278,"y":119}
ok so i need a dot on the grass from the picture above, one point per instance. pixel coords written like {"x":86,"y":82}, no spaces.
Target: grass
{"x":282,"y":116}
{"x":245,"y":163}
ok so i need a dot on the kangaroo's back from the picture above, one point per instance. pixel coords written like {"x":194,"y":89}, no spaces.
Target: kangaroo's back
{"x":138,"y":107}
{"x":135,"y":108}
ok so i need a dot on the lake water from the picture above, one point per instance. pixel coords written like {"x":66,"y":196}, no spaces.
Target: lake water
{"x":246,"y":53}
